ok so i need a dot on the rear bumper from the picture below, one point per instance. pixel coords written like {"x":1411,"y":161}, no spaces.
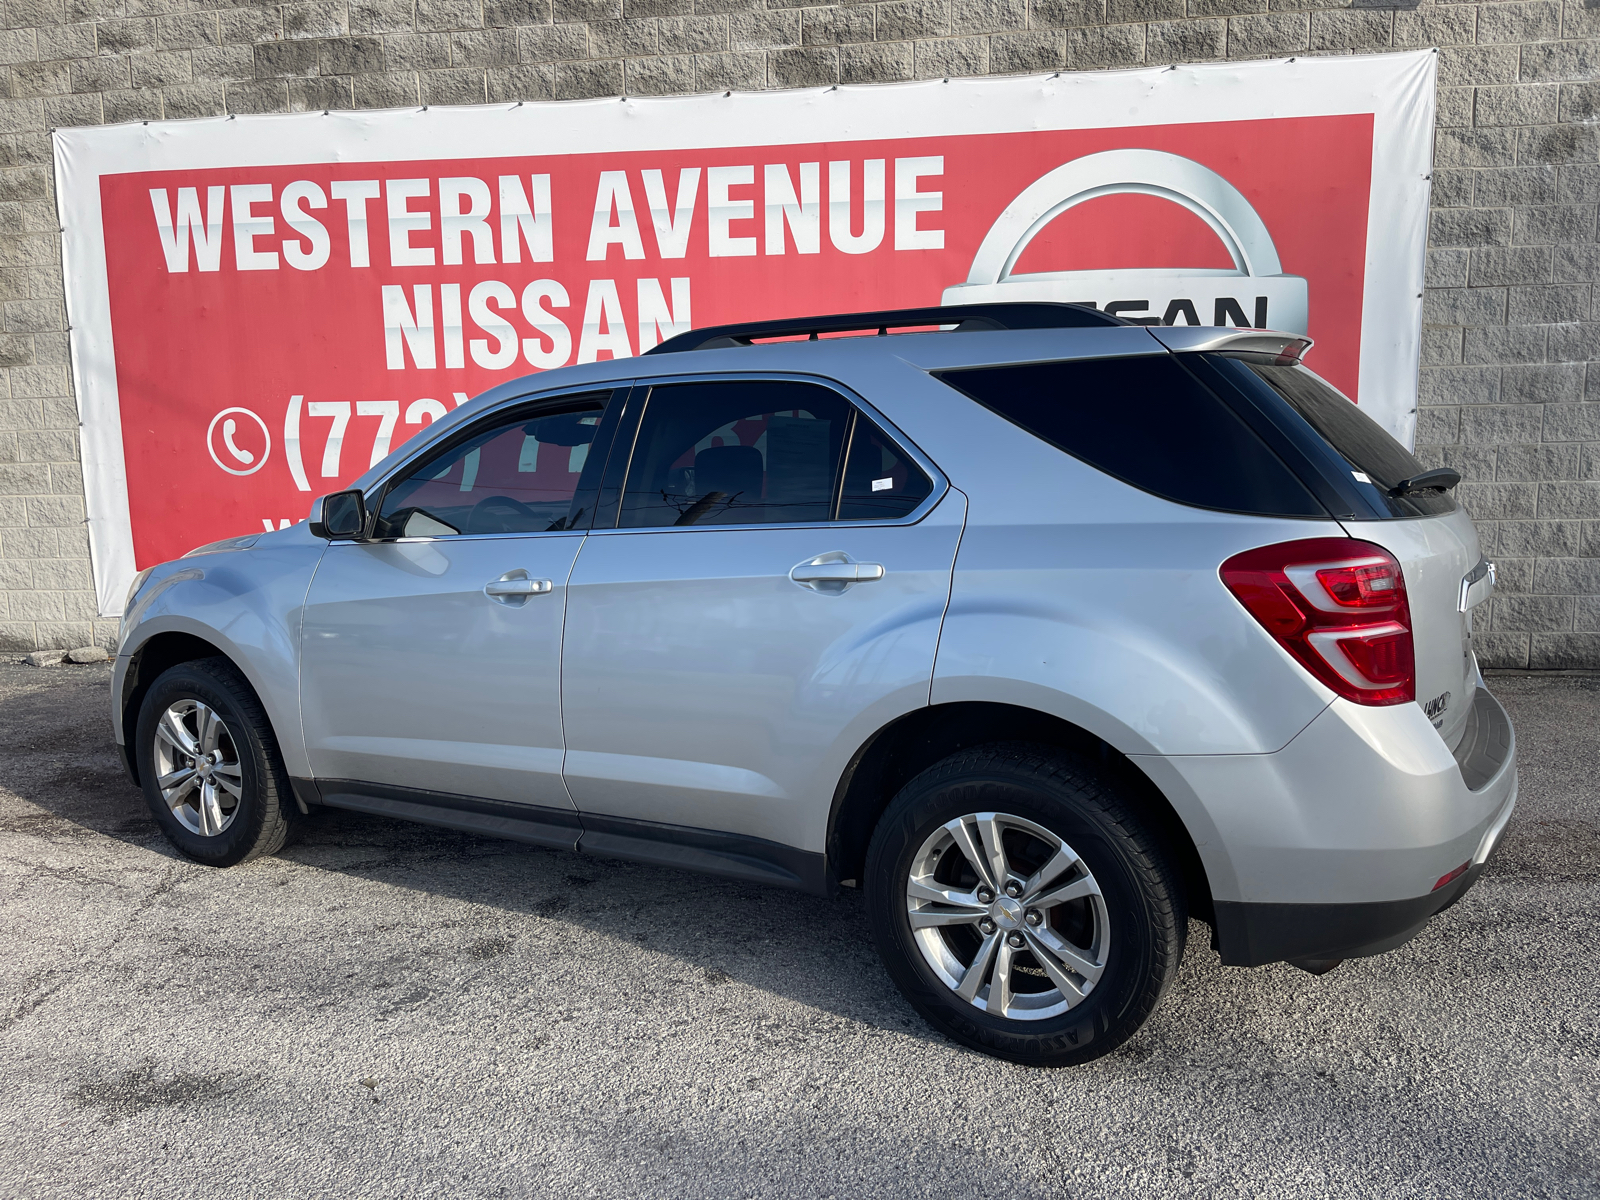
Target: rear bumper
{"x":1331,"y":847}
{"x":1252,"y":935}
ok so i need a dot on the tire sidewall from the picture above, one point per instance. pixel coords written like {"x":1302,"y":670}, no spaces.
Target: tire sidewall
{"x":190,"y":682}
{"x":1082,"y":1032}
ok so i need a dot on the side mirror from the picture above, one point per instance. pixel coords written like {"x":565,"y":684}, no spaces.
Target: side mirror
{"x":338,"y":516}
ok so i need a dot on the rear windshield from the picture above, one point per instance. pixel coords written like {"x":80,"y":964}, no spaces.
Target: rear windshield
{"x":1363,"y":443}
{"x":1148,"y":422}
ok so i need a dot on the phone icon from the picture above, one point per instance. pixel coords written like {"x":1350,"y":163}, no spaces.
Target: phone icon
{"x":232,"y":442}
{"x":229,"y":428}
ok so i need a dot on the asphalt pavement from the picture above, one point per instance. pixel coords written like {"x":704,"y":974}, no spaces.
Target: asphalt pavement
{"x":387,"y":1010}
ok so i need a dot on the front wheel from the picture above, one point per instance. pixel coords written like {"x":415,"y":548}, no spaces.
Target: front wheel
{"x":1020,"y":906}
{"x":210,"y":766}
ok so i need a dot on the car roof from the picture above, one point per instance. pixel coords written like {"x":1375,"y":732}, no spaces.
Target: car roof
{"x":930,"y":351}
{"x":865,"y":356}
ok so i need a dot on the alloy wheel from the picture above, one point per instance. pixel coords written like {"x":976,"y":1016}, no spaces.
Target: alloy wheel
{"x":197,"y":767}
{"x":1008,"y":916}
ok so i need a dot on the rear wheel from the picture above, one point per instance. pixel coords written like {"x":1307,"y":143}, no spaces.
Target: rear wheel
{"x":1021,"y":908}
{"x":210,"y":766}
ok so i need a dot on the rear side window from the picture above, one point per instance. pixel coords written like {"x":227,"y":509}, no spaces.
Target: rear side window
{"x":763,"y":452}
{"x":1363,"y":443}
{"x":735,"y":453}
{"x":881,"y":482}
{"x":1149,"y":423}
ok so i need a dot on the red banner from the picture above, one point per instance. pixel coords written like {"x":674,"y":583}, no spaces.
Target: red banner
{"x":277,"y":328}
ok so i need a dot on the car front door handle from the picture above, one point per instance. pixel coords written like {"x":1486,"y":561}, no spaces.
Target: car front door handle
{"x":515,"y":588}
{"x":837,"y":572}
{"x":834,"y":572}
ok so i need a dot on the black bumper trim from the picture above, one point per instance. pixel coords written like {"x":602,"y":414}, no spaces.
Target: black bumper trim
{"x":1252,"y":935}
{"x":709,"y":851}
{"x":1486,"y":742}
{"x":130,"y":766}
{"x":553,"y":827}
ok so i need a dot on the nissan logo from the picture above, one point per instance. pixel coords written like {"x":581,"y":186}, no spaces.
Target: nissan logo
{"x":1255,"y":293}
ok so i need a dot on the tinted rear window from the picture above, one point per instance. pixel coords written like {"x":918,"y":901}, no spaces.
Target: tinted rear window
{"x":1365,"y":444}
{"x":1148,"y":422}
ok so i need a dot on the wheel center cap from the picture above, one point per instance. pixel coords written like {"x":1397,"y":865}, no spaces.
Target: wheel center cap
{"x":1007,"y":913}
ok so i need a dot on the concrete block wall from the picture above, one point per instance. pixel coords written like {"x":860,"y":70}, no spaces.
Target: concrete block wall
{"x":1510,"y":391}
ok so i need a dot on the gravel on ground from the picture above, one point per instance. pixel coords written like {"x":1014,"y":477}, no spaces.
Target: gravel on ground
{"x":388,"y":1010}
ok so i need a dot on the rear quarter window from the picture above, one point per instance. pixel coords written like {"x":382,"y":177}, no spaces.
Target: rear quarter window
{"x":1148,"y":422}
{"x":1359,"y":440}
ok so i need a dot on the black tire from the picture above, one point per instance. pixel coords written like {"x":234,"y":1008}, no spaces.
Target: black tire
{"x":262,"y":817}
{"x":1142,"y":909}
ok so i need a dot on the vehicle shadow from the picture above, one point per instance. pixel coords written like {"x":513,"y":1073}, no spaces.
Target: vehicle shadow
{"x":62,"y":762}
{"x":67,"y":785}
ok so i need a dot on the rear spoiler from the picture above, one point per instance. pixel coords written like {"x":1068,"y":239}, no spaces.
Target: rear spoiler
{"x":1284,"y":349}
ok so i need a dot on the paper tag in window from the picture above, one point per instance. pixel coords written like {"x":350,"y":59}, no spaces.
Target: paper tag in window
{"x":882,"y":485}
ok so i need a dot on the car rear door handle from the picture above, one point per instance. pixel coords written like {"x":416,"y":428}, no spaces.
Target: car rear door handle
{"x":514,"y":588}
{"x":835,"y":571}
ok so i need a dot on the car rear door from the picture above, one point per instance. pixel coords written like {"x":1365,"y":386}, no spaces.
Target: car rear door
{"x":431,"y":664}
{"x":768,"y":593}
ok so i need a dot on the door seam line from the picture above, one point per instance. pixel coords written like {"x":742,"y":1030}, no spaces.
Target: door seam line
{"x":950,"y":587}
{"x":561,"y":679}
{"x":300,"y":664}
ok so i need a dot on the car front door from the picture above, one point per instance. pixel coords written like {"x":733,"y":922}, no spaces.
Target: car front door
{"x":768,"y":592}
{"x":431,"y":651}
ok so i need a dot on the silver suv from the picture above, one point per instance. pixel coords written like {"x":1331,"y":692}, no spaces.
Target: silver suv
{"x":1046,"y":630}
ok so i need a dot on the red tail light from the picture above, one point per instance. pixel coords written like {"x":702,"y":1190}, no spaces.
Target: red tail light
{"x":1339,"y":606}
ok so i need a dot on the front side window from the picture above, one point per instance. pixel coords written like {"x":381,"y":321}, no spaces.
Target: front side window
{"x":515,"y":475}
{"x":735,"y":453}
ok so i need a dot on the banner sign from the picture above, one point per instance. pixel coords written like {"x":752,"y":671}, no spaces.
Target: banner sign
{"x":264,"y":306}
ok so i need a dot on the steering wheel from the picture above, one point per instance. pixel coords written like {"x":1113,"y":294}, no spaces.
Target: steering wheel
{"x":502,"y":514}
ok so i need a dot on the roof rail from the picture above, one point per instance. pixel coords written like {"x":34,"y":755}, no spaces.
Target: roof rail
{"x":965,"y":318}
